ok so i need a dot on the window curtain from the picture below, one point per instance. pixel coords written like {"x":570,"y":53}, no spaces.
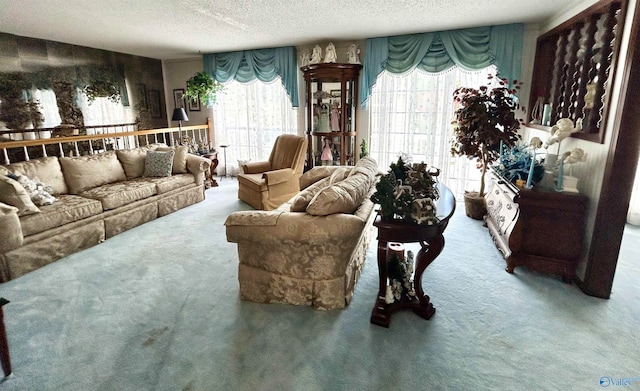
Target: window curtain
{"x":469,"y":49}
{"x":263,"y":64}
{"x":247,"y":119}
{"x":410,"y":115}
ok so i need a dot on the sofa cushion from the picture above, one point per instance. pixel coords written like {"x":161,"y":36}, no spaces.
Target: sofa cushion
{"x":46,"y":170}
{"x":14,"y":194}
{"x":169,"y":183}
{"x":253,"y":182}
{"x":301,"y":201}
{"x":317,"y":173}
{"x":84,"y":172}
{"x":67,"y":209}
{"x":114,"y":195}
{"x":132,"y":160}
{"x":158,"y":164}
{"x":342,"y":197}
{"x":179,"y":159}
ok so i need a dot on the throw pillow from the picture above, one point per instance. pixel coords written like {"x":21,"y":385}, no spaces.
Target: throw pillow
{"x":39,"y":193}
{"x":343,"y":197}
{"x":179,"y":159}
{"x":301,"y":201}
{"x":158,"y":163}
{"x":14,"y":194}
{"x":44,"y":169}
{"x":132,"y":160}
{"x":86,"y":172}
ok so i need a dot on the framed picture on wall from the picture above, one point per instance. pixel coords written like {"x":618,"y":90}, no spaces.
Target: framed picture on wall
{"x":153,"y":100}
{"x":178,"y":98}
{"x":194,"y":104}
{"x":142,"y":96}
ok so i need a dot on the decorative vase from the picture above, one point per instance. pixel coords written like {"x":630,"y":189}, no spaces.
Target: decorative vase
{"x":474,"y":205}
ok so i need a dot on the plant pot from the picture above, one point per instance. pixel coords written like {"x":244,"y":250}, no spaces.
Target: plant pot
{"x":474,"y":205}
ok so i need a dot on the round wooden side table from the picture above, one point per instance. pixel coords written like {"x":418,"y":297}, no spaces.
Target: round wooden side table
{"x":431,"y":241}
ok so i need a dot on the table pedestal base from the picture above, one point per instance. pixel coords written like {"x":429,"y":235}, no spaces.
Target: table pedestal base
{"x":431,"y":246}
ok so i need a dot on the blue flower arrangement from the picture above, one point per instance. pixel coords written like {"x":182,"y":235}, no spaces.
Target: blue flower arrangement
{"x":515,"y":163}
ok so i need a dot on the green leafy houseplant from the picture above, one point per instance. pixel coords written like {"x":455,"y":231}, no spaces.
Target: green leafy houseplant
{"x":204,"y":87}
{"x":485,"y":120}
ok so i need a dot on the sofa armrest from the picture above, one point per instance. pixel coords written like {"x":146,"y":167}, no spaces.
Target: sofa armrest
{"x":10,"y":228}
{"x":278,"y":176}
{"x":273,"y":228}
{"x":256,"y":167}
{"x":197,"y":164}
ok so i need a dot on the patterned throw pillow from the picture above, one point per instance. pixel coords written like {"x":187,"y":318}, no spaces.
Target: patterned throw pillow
{"x":158,"y":164}
{"x":39,"y":193}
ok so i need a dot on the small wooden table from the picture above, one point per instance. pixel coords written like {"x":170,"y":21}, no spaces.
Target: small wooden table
{"x":210,"y":176}
{"x":5,"y":359}
{"x":431,"y":241}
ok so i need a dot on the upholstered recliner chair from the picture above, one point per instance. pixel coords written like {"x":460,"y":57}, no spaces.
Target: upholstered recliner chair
{"x":267,"y":185}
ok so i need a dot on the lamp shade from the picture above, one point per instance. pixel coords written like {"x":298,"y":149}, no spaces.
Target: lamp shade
{"x":179,"y":115}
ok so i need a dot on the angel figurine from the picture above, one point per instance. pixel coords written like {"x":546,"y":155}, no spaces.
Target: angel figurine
{"x":316,"y":56}
{"x":330,"y":53}
{"x":305,"y":57}
{"x":352,"y":54}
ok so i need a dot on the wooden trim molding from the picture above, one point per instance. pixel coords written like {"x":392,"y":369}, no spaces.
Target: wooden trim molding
{"x":618,"y":177}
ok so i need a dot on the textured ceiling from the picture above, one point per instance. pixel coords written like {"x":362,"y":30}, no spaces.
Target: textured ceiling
{"x":171,"y":29}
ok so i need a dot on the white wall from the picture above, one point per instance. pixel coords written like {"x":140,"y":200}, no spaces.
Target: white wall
{"x":176,"y":74}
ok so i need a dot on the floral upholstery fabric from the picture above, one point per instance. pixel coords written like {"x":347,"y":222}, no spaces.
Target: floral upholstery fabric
{"x":166,"y":184}
{"x":14,"y":194}
{"x":108,"y":206}
{"x":114,"y":195}
{"x":46,"y":170}
{"x":85,"y":172}
{"x":297,"y":258}
{"x":67,"y":209}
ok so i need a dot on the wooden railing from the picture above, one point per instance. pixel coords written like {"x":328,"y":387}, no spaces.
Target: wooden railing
{"x":198,"y":137}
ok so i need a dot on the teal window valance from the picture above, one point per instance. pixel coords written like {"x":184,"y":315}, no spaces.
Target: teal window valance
{"x":469,"y":49}
{"x":262,"y":64}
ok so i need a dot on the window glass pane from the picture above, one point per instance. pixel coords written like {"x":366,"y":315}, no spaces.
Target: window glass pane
{"x":412,"y":114}
{"x":248,"y":118}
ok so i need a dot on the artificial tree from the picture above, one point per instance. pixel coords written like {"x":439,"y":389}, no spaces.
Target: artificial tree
{"x":484,"y":122}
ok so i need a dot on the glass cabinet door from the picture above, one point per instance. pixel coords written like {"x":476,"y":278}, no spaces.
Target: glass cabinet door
{"x":331,"y":113}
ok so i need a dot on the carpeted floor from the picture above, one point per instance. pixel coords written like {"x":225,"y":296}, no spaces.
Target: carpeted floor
{"x":157,"y":308}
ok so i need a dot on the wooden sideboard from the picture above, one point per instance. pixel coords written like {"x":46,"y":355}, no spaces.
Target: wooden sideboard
{"x":539,"y":228}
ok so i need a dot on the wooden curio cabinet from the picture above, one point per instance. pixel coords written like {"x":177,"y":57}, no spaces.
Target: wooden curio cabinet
{"x":331,"y":99}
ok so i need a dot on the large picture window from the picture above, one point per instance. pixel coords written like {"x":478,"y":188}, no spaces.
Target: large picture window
{"x":411,"y":114}
{"x":248,"y":117}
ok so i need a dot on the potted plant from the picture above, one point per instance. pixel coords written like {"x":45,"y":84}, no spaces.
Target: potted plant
{"x":484,"y":122}
{"x":204,"y":87}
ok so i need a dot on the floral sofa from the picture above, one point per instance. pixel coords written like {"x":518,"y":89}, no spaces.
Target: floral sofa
{"x":81,"y":201}
{"x":310,"y":250}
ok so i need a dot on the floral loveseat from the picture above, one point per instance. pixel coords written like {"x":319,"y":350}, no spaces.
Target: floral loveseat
{"x":310,"y":250}
{"x":85,"y":200}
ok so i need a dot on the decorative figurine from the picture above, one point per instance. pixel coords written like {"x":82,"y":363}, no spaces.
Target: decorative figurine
{"x":352,"y":54}
{"x":305,"y":57}
{"x":316,"y":56}
{"x":330,"y":53}
{"x":561,"y":130}
{"x":335,"y":117}
{"x":327,"y":153}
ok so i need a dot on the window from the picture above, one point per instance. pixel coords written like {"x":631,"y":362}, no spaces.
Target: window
{"x":412,"y":113}
{"x":248,"y":118}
